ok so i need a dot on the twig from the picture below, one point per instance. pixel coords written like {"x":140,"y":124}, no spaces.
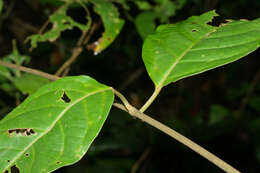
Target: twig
{"x":73,"y":57}
{"x":151,"y":99}
{"x":136,"y":113}
{"x":7,"y":13}
{"x":249,"y":93}
{"x":133,"y":77}
{"x":92,"y":29}
{"x":140,"y":160}
{"x":182,"y":139}
{"x":77,"y":51}
{"x":24,"y":24}
{"x":44,"y":26}
{"x":29,"y":70}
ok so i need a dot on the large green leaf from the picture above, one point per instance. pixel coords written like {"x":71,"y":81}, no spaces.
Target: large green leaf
{"x":193,"y":46}
{"x":112,"y":23}
{"x":54,"y":126}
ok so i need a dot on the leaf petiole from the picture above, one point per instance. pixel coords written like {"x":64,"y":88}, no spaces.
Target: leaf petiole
{"x":151,"y":99}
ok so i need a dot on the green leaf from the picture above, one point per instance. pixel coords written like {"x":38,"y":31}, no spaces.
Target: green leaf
{"x":53,"y":2}
{"x":54,"y":126}
{"x":145,"y":23}
{"x":123,"y":3}
{"x":193,"y":46}
{"x":217,"y":114}
{"x":16,"y":58}
{"x":165,"y":9}
{"x":254,"y":103}
{"x":143,"y":5}
{"x":28,"y":83}
{"x":1,"y":5}
{"x":60,"y":22}
{"x":112,"y":23}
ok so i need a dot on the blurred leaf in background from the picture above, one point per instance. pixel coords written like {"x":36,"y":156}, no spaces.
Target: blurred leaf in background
{"x":112,"y":23}
{"x":60,"y":22}
{"x":145,"y":23}
{"x":1,"y":5}
{"x":28,"y":83}
{"x":217,"y":114}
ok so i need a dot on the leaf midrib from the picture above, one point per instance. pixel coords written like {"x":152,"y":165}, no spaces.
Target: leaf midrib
{"x":52,"y":125}
{"x":161,"y":83}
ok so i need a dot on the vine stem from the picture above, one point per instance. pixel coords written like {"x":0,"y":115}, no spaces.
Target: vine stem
{"x":151,"y":99}
{"x":182,"y":139}
{"x":29,"y":70}
{"x":138,"y":114}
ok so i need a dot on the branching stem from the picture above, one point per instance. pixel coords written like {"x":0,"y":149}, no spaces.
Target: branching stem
{"x":182,"y":139}
{"x":136,"y":113}
{"x":151,"y":99}
{"x":29,"y":70}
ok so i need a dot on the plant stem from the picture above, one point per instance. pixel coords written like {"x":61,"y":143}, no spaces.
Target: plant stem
{"x":136,"y":113}
{"x":249,"y":93}
{"x":151,"y":99}
{"x":29,"y":70}
{"x":182,"y":139}
{"x":73,"y":57}
{"x":140,"y":160}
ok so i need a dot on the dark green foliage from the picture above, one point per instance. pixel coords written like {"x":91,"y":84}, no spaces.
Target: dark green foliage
{"x":209,"y":108}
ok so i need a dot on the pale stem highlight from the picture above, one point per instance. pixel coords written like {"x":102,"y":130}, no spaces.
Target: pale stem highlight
{"x":151,"y":99}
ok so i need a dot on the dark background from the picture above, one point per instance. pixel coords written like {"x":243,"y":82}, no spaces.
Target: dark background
{"x":208,"y":108}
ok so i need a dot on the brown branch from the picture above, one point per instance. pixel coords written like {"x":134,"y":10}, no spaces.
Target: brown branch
{"x":93,"y":28}
{"x":182,"y":139}
{"x":73,"y":57}
{"x":140,"y":160}
{"x":44,"y":26}
{"x":29,"y":70}
{"x":249,"y":93}
{"x":132,"y":78}
{"x":145,"y":118}
{"x":77,"y":51}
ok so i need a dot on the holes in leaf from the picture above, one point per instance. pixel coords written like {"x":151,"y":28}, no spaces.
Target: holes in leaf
{"x":65,"y":98}
{"x":77,"y":14}
{"x":14,"y":169}
{"x":217,"y":21}
{"x":194,"y":30}
{"x":58,"y":162}
{"x":21,"y":132}
{"x":26,"y":154}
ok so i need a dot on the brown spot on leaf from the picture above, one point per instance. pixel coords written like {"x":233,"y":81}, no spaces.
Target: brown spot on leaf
{"x":65,"y":98}
{"x":21,"y":131}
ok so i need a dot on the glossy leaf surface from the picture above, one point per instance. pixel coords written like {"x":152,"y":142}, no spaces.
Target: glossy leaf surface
{"x":112,"y":23}
{"x":54,"y":126}
{"x":193,"y":46}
